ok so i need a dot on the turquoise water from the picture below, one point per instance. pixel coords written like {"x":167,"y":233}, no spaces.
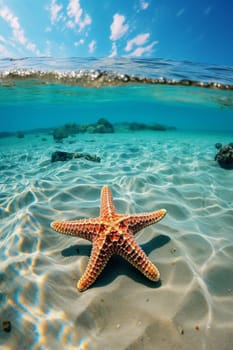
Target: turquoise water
{"x":175,"y":169}
{"x":43,"y":93}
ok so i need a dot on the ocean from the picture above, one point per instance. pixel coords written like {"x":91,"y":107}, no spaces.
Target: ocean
{"x":159,"y":134}
{"x":43,"y":93}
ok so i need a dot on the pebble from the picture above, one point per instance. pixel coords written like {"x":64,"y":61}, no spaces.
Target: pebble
{"x":173,"y":250}
{"x":181,"y":330}
{"x":6,"y":326}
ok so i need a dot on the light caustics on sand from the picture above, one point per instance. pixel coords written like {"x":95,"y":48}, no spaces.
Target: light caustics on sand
{"x":193,"y":251}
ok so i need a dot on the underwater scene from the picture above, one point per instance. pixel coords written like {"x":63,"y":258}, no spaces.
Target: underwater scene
{"x":116,"y":204}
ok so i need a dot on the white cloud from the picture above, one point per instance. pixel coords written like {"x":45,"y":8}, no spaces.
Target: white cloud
{"x":55,"y":11}
{"x":140,"y":39}
{"x":77,"y":16}
{"x":142,"y":50}
{"x":2,"y":39}
{"x":118,"y":28}
{"x":92,"y":46}
{"x":18,"y":33}
{"x":144,"y":5}
{"x":114,"y":50}
{"x":48,"y":48}
{"x":80,"y":42}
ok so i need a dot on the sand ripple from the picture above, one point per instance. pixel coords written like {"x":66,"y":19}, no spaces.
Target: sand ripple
{"x":192,"y":246}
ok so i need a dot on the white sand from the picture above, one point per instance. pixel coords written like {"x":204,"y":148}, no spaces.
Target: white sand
{"x":192,"y":246}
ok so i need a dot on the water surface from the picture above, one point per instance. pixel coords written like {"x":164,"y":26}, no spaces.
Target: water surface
{"x":45,"y":92}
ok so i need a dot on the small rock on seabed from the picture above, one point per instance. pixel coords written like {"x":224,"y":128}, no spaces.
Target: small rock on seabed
{"x":64,"y":156}
{"x":6,"y":326}
{"x":224,"y":157}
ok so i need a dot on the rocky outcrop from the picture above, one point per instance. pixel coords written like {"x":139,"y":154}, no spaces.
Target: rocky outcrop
{"x":224,"y":157}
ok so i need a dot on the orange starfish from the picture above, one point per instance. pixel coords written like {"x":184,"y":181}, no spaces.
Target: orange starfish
{"x":112,"y":233}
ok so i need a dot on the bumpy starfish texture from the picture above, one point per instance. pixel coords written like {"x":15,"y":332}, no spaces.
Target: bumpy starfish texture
{"x":112,"y":233}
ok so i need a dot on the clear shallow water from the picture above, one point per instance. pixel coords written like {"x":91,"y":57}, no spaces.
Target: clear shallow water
{"x":192,"y":246}
{"x":146,"y":170}
{"x":41,"y":93}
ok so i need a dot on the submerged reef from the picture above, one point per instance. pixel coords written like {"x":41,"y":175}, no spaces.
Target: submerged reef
{"x":20,"y":134}
{"x":64,"y":131}
{"x":141,"y":126}
{"x":134,"y":126}
{"x":224,"y":157}
{"x":6,"y":134}
{"x":23,"y":133}
{"x":102,"y":126}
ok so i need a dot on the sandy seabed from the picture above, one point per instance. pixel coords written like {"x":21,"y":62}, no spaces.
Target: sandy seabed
{"x":191,"y":307}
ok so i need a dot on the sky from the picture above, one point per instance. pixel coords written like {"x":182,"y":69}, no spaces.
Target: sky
{"x":194,"y":30}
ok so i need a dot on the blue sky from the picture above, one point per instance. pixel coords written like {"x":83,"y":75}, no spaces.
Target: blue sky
{"x":196,"y":30}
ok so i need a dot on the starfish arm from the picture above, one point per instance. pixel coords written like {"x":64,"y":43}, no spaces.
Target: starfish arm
{"x":134,"y":254}
{"x":98,"y":260}
{"x":137,"y":222}
{"x":86,"y":228}
{"x":107,"y":209}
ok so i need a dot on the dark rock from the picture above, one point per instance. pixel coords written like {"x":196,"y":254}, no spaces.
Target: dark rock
{"x":224,"y":157}
{"x":90,"y":129}
{"x":6,"y":326}
{"x":71,"y":129}
{"x":104,"y":126}
{"x":20,"y":135}
{"x":141,"y":126}
{"x":218,"y":145}
{"x":83,"y":128}
{"x":64,"y":131}
{"x":61,"y":156}
{"x":5,"y":134}
{"x":137,"y":126}
{"x":64,"y":156}
{"x":157,"y":127}
{"x":59,"y":134}
{"x":100,"y":129}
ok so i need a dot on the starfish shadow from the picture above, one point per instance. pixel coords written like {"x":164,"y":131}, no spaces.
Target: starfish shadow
{"x":78,"y":249}
{"x":117,"y":265}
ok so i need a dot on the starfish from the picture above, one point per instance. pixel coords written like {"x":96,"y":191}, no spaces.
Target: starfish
{"x":111,"y":233}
